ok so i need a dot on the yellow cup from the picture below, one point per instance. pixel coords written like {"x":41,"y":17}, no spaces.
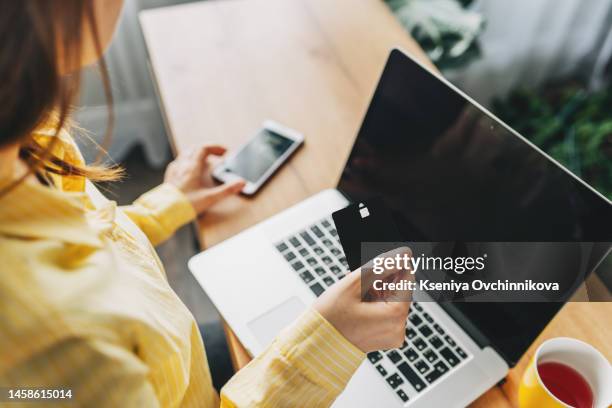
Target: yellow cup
{"x":580,"y":356}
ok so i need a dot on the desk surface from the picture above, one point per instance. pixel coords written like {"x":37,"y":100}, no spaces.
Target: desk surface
{"x":222,"y":67}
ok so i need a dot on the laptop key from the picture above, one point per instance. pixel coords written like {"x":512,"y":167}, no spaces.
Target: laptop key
{"x":411,"y":355}
{"x":415,"y":319}
{"x":317,"y":289}
{"x":306,"y":276}
{"x":306,"y":237}
{"x":374,"y":357}
{"x":425,"y":331}
{"x":328,"y":280}
{"x":320,"y":271}
{"x":412,"y":377}
{"x":449,"y":356}
{"x":421,"y":366}
{"x":333,"y":232}
{"x":403,"y":396}
{"x":327,"y":260}
{"x":317,"y":231}
{"x":328,"y":243}
{"x":438,"y":328}
{"x":335,"y":251}
{"x":318,"y":250}
{"x":450,"y":341}
{"x":303,"y":252}
{"x":294,"y":241}
{"x":410,"y":333}
{"x":394,"y":356}
{"x":430,"y":355}
{"x":282,"y":247}
{"x":436,"y":342}
{"x":433,"y":376}
{"x":325,"y":223}
{"x":381,"y":370}
{"x":395,"y":381}
{"x":461,"y":353}
{"x":311,"y":261}
{"x":440,"y":366}
{"x":417,"y":306}
{"x":439,"y":369}
{"x":335,"y":269}
{"x":289,"y":256}
{"x":344,"y":262}
{"x":428,"y":317}
{"x":297,"y":265}
{"x":419,"y":344}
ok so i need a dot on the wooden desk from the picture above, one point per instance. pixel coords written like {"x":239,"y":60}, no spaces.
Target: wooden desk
{"x":222,"y":67}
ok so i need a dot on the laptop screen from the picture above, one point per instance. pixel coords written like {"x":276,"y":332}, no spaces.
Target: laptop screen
{"x":450,"y":172}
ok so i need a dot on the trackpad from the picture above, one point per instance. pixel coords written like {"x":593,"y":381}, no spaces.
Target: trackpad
{"x":269,"y":324}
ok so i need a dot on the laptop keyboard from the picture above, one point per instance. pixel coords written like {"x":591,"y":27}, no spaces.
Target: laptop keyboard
{"x":315,"y":255}
{"x":428,"y":352}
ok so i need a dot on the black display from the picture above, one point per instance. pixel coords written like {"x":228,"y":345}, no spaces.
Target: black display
{"x":450,"y":172}
{"x":257,"y":156}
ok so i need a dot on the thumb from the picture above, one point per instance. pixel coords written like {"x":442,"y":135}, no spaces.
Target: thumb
{"x":362,"y":279}
{"x":392,"y":272}
{"x":206,"y":198}
{"x":225,"y":190}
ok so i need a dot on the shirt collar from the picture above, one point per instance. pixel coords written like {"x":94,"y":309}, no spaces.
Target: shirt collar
{"x":32,"y":210}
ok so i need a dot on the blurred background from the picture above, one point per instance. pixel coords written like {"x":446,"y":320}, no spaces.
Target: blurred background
{"x":543,"y":66}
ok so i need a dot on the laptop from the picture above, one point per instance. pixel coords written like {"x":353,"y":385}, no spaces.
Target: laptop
{"x":448,"y":170}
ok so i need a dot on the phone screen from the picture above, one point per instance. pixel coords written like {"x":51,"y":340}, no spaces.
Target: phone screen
{"x":255,"y":158}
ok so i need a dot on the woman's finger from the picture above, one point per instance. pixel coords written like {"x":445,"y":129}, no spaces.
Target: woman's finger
{"x":206,"y":150}
{"x":218,"y":193}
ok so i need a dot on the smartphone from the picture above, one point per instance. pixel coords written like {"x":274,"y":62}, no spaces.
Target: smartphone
{"x":260,"y":157}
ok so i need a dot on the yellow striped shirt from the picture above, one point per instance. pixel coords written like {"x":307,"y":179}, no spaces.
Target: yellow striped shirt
{"x":85,"y":306}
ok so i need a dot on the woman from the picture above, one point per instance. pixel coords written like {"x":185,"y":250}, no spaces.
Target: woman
{"x":84,"y":304}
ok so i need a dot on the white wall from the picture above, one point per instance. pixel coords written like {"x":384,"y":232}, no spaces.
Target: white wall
{"x":528,"y":42}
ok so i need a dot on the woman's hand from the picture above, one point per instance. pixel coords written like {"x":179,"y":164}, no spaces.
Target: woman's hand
{"x":192,"y":174}
{"x":370,"y":326}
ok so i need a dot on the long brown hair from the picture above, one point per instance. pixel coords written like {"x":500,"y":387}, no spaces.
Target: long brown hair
{"x":37,"y":39}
